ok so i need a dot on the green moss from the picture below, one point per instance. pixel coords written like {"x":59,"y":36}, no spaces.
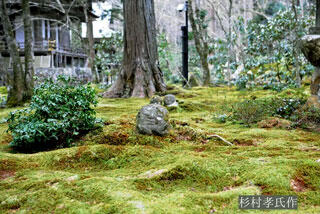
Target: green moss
{"x":117,"y":170}
{"x":3,"y":90}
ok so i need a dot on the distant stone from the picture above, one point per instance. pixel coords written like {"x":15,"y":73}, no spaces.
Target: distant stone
{"x":318,"y":161}
{"x":151,"y":174}
{"x":170,"y":100}
{"x":153,"y":119}
{"x":156,"y":100}
{"x":73,"y":178}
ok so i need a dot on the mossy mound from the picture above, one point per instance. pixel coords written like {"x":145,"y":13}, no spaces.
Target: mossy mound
{"x":116,"y":170}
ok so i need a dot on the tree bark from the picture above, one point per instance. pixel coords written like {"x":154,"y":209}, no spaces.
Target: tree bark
{"x":28,"y":50}
{"x":229,"y":41}
{"x":141,"y":75}
{"x":294,"y":46}
{"x":15,"y":94}
{"x":315,"y":82}
{"x":201,"y":43}
{"x":91,"y":42}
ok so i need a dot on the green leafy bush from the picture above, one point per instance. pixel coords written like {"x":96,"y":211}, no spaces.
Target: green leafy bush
{"x":250,"y":111}
{"x":287,"y":106}
{"x":58,"y":113}
{"x":255,"y":110}
{"x":307,"y":117}
{"x":220,"y":118}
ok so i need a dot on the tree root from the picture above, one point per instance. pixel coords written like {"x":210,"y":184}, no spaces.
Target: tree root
{"x":221,"y":138}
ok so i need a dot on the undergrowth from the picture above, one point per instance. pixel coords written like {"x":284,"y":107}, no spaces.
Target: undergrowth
{"x":116,"y":170}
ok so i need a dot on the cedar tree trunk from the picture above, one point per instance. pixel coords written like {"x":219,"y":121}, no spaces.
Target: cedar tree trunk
{"x":15,"y":94}
{"x":141,"y":75}
{"x":28,"y":52}
{"x":91,"y":54}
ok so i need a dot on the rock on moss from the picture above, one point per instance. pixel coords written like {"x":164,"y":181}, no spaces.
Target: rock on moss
{"x":170,"y":100}
{"x":156,"y":100}
{"x":153,"y":119}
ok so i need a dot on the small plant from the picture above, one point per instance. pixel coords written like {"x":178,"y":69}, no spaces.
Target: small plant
{"x":242,"y":82}
{"x":250,"y":111}
{"x":287,"y":106}
{"x":58,"y":113}
{"x":307,"y":117}
{"x":253,"y":111}
{"x":221,"y":118}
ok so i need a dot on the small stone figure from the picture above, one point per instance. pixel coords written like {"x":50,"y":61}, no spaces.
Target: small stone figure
{"x":153,"y":119}
{"x":170,"y":101}
{"x":156,"y":100}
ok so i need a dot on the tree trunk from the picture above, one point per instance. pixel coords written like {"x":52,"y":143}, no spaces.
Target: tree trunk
{"x":141,"y":75}
{"x":199,"y":34}
{"x":294,"y":47}
{"x":28,"y":52}
{"x":91,"y":42}
{"x":315,"y":82}
{"x":15,"y":94}
{"x":229,"y":41}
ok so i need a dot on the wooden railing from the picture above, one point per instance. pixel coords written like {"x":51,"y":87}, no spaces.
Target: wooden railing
{"x":44,"y":46}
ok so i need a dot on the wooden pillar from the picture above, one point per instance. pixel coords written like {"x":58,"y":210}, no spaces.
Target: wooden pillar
{"x":43,"y":30}
{"x":48,"y":29}
{"x":57,"y":37}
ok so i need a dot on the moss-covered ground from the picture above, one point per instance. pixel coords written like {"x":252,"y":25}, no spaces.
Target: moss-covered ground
{"x":116,"y":170}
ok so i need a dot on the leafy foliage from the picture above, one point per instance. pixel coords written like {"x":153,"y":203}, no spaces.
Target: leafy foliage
{"x":109,"y":54}
{"x":267,"y":51}
{"x":166,"y":57}
{"x":307,"y":117}
{"x":254,"y":110}
{"x":272,"y":51}
{"x":58,"y":113}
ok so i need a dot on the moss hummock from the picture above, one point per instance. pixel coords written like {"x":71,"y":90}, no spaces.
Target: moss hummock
{"x":117,"y":170}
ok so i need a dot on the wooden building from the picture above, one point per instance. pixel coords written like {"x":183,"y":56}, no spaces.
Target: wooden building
{"x":56,"y":31}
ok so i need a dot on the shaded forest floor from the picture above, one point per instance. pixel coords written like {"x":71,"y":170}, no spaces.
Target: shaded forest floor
{"x":116,"y":170}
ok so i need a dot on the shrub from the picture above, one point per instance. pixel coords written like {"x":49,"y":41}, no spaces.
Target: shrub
{"x":253,"y":111}
{"x":285,"y":107}
{"x":250,"y":111}
{"x":307,"y":117}
{"x":58,"y":113}
{"x":241,"y":82}
{"x":220,"y":118}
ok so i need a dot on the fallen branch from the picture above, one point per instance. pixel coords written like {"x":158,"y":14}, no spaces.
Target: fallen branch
{"x":221,"y":138}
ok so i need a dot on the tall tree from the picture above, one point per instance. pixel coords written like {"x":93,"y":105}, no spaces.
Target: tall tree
{"x":141,"y":75}
{"x":91,"y":58}
{"x":28,"y":50}
{"x":200,"y":34}
{"x":15,"y":94}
